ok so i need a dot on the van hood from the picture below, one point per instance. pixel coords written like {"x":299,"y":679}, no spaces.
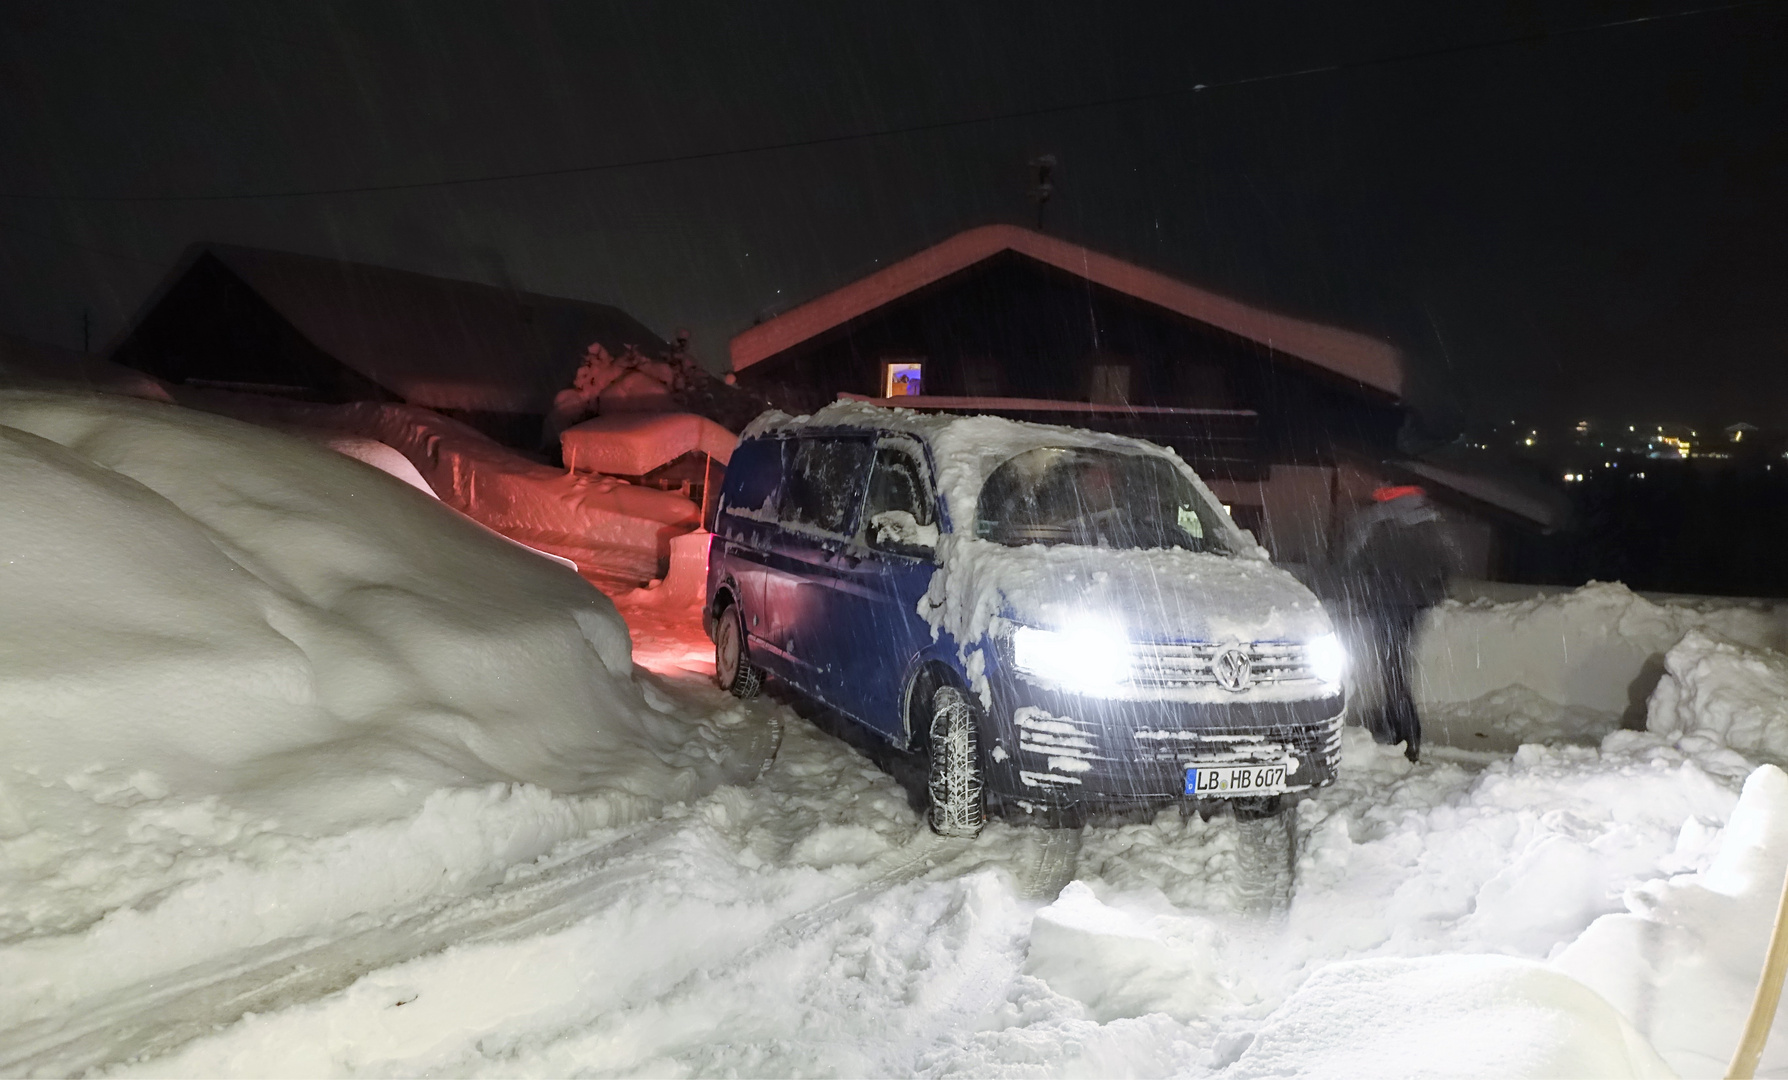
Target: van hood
{"x":1157,"y":595}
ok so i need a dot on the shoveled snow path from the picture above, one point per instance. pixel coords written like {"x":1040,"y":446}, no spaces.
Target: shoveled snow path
{"x":809,"y":924}
{"x":149,"y":1020}
{"x":152,"y":1019}
{"x":547,"y":898}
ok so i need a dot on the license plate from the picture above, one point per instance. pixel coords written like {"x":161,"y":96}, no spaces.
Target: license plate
{"x":1227,"y":781}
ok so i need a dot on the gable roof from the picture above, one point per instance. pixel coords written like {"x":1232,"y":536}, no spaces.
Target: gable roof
{"x":1351,"y":355}
{"x":432,"y":340}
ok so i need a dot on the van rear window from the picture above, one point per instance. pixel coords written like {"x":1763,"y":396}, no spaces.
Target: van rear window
{"x":754,"y":476}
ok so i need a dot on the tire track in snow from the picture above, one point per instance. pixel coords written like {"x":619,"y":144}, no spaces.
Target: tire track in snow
{"x":154,"y":1018}
{"x":1265,"y":858}
{"x":923,"y":854}
{"x":1052,"y":857}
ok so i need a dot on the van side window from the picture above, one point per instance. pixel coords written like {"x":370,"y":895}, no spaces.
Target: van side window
{"x":898,"y":514}
{"x":826,"y":483}
{"x":754,"y":476}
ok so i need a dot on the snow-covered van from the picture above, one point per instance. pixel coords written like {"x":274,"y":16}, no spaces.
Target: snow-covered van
{"x":1054,"y":620}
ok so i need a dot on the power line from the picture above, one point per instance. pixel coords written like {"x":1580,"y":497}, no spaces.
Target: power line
{"x":90,"y":249}
{"x":890,"y":132}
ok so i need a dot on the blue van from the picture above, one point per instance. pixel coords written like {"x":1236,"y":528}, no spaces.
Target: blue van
{"x":1054,"y":620}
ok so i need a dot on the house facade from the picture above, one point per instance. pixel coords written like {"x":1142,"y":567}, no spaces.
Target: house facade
{"x":1293,"y":423}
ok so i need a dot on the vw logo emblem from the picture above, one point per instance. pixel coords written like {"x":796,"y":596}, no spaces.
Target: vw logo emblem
{"x":1232,"y":668}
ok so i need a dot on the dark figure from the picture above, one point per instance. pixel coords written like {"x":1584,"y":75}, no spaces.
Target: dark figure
{"x":1392,"y":564}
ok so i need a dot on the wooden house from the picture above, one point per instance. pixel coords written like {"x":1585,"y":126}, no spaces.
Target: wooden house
{"x":1293,"y":423}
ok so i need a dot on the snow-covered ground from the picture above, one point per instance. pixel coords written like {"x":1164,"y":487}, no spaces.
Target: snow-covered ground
{"x":1545,"y":894}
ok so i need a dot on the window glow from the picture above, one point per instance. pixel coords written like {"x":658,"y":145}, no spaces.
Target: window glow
{"x":903,"y":379}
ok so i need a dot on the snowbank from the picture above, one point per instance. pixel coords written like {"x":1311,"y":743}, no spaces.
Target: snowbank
{"x":1575,"y":664}
{"x":228,"y":654}
{"x":34,"y":365}
{"x":616,"y":533}
{"x":1682,"y":964}
{"x":612,"y":530}
{"x":380,"y":457}
{"x":1731,"y":694}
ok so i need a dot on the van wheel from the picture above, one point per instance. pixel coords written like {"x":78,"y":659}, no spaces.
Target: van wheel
{"x":732,"y":668}
{"x":953,"y":780}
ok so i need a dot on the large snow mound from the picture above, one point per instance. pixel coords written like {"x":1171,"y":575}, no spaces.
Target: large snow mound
{"x":223,"y":644}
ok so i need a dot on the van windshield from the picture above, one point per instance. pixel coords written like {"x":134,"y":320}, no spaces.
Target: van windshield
{"x":1097,"y":498}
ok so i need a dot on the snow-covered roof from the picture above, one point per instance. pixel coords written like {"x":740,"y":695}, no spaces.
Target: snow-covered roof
{"x":633,"y":444}
{"x":1502,"y":494}
{"x":1354,"y":356}
{"x":431,"y":340}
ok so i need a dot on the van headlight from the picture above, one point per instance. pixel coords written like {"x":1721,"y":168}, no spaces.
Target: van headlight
{"x":1090,"y":656}
{"x":1327,"y":659}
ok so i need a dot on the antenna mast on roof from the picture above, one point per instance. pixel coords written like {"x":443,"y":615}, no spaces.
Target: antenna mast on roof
{"x":1040,"y":194}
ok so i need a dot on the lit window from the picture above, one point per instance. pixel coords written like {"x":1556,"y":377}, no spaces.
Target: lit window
{"x":903,"y":378}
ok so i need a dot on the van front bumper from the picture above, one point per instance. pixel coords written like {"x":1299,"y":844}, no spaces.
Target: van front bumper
{"x":1052,"y":749}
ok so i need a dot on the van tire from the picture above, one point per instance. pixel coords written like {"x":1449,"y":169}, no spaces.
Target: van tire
{"x":732,"y":664}
{"x":953,"y":778}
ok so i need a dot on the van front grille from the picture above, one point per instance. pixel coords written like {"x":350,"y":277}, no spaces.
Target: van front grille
{"x":1165,"y":666}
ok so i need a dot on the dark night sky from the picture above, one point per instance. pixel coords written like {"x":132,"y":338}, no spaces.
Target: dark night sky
{"x":1574,"y":222}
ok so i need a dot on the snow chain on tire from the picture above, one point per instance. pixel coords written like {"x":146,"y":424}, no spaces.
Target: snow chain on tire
{"x":954,"y":781}
{"x":747,"y":680}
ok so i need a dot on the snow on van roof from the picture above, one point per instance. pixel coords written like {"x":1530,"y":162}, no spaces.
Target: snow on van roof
{"x":966,"y":449}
